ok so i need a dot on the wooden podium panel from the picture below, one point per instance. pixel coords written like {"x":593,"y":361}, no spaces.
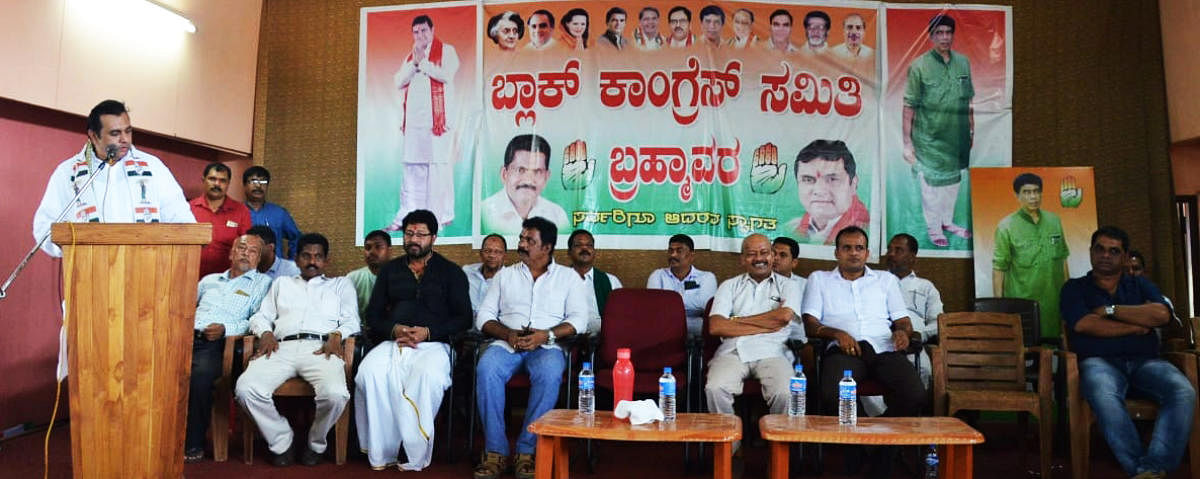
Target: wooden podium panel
{"x":131,"y":300}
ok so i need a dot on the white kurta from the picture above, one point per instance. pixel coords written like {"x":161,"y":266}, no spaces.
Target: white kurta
{"x":398,"y":392}
{"x":428,"y":181}
{"x":110,"y":194}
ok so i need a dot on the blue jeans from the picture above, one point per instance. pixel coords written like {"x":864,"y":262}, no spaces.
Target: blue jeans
{"x":496,"y":366}
{"x":1106,"y":380}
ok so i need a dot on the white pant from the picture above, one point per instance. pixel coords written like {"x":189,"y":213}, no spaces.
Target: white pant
{"x":428,"y":181}
{"x":938,"y":204}
{"x":397,"y":395}
{"x":256,"y":390}
{"x":726,"y":373}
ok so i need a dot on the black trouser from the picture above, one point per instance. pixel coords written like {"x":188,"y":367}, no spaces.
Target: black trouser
{"x":206,"y":368}
{"x":904,"y":393}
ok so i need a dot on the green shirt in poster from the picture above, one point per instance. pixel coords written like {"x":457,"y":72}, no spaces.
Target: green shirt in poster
{"x":364,"y":282}
{"x":1031,"y":255}
{"x":940,"y":92}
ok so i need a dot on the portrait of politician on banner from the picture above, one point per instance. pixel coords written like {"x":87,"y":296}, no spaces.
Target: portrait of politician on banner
{"x":712,"y":119}
{"x":1033,"y":229}
{"x":418,"y":115}
{"x":947,"y":107}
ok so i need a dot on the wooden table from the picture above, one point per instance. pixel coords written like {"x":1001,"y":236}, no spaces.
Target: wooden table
{"x":954,"y":438}
{"x":558,"y":424}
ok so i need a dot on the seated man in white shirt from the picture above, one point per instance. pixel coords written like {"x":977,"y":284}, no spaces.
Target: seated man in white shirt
{"x":752,"y":313}
{"x":581,"y":249}
{"x":528,"y":307}
{"x":862,"y":314}
{"x":695,"y":285}
{"x":479,"y":275}
{"x":786,"y":252}
{"x":922,"y":298}
{"x":300,"y":327}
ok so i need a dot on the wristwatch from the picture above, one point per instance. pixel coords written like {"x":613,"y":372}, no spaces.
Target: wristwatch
{"x":550,"y":337}
{"x":1110,"y":310}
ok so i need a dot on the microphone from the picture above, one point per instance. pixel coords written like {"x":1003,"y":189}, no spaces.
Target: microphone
{"x":111,"y":152}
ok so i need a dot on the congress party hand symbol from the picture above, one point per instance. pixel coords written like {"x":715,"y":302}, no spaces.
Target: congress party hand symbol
{"x":766,"y":174}
{"x":578,"y":169}
{"x":1070,"y":195}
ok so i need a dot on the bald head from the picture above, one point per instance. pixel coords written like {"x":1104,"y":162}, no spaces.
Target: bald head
{"x":757,"y":256}
{"x":244,"y":254}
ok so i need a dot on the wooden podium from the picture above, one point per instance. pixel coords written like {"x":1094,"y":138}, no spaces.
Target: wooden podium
{"x":131,"y":300}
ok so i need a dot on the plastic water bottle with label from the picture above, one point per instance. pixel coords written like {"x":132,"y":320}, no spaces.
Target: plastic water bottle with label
{"x":931,"y":463}
{"x":847,"y":399}
{"x":799,"y":389}
{"x":587,"y":390}
{"x":666,"y":395}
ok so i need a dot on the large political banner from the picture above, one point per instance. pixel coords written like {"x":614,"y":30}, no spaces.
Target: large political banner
{"x":640,"y":120}
{"x":947,"y":107}
{"x":419,"y":109}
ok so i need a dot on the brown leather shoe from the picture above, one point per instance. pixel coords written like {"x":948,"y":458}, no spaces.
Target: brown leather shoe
{"x":523,"y":466}
{"x":491,"y":467}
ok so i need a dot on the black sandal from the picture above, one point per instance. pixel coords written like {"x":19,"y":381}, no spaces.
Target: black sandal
{"x":193,"y":455}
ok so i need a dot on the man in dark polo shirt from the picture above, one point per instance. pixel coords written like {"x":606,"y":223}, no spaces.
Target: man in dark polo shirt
{"x":419,"y":302}
{"x":1110,"y":319}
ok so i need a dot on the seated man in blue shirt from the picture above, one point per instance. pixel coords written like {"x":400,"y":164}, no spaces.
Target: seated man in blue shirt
{"x":1110,"y":318}
{"x":225,"y":303}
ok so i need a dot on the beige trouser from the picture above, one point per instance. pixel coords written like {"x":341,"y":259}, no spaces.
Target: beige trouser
{"x":726,"y":372}
{"x":256,"y":389}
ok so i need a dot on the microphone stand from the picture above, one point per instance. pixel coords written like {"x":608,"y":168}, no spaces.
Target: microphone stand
{"x":25,"y":262}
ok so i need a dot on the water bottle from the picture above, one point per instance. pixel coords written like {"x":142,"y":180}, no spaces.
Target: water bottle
{"x":623,"y":376}
{"x":587,"y":390}
{"x":799,"y":387}
{"x":931,"y":463}
{"x":847,"y":399}
{"x":666,"y":395}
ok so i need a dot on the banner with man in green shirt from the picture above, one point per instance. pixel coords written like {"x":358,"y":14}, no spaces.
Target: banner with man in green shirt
{"x":1031,"y":252}
{"x":935,"y":58}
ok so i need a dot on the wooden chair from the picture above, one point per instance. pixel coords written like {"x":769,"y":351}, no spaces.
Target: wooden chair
{"x":296,"y":387}
{"x":1081,"y":418}
{"x":980,"y":365}
{"x":222,"y":421}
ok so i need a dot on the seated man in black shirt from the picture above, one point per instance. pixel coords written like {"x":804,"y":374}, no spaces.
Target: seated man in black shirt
{"x":419,"y":302}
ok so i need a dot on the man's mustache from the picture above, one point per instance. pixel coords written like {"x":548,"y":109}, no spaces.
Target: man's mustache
{"x":522,"y":251}
{"x":527,"y":185}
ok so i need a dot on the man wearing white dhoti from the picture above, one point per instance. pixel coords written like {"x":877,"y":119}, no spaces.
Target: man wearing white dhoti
{"x":300,"y":327}
{"x":420,"y":301}
{"x":426,"y":85}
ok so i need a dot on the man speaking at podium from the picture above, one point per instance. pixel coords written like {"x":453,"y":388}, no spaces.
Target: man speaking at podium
{"x":136,"y":188}
{"x":132,"y":187}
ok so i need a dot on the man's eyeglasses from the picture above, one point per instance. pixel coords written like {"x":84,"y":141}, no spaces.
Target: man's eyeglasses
{"x":417,"y":234}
